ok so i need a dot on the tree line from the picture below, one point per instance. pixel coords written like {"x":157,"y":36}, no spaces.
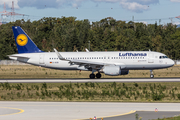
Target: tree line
{"x":108,"y":34}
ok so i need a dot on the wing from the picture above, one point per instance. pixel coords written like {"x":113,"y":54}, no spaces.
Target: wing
{"x":85,"y":63}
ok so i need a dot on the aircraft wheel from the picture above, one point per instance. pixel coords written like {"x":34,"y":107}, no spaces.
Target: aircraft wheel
{"x":98,"y":75}
{"x":92,"y":76}
{"x":152,"y":76}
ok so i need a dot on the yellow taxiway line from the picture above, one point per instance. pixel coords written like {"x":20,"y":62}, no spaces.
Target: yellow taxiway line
{"x":21,"y":111}
{"x":132,"y":111}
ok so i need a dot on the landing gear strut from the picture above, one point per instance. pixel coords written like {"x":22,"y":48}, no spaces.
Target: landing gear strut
{"x":151,"y":74}
{"x":92,"y":76}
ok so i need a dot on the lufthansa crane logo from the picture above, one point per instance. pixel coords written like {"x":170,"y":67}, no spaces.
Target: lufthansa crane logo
{"x":22,"y":40}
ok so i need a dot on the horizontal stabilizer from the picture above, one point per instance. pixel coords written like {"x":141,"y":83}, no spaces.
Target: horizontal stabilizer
{"x":17,"y":56}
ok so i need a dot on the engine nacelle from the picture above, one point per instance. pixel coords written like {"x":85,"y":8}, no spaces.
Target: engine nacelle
{"x":114,"y":71}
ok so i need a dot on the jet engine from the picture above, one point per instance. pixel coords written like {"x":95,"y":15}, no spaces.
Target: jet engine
{"x":114,"y":70}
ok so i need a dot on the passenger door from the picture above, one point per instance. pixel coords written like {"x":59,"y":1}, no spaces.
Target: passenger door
{"x":151,"y":58}
{"x":41,"y":59}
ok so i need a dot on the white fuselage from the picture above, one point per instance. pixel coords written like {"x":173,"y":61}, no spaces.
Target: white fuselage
{"x":128,"y":60}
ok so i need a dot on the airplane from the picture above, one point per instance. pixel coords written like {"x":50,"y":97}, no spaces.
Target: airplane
{"x":110,"y":63}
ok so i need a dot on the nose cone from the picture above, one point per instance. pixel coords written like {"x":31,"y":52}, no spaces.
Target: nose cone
{"x":171,"y":63}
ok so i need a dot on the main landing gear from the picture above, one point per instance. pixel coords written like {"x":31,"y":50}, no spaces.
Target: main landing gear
{"x":151,"y":74}
{"x":92,"y":76}
{"x":98,"y":75}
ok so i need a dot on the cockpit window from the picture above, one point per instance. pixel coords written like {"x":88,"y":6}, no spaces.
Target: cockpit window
{"x":162,"y":57}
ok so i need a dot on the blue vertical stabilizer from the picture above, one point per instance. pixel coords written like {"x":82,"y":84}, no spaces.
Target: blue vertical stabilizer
{"x":23,"y":42}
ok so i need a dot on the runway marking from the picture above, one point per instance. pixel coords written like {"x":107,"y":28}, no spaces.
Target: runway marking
{"x":21,"y":111}
{"x":132,"y":111}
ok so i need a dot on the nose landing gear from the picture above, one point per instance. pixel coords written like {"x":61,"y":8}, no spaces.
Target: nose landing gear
{"x":151,"y":74}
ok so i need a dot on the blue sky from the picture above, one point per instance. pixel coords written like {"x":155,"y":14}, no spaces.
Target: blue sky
{"x":147,"y":11}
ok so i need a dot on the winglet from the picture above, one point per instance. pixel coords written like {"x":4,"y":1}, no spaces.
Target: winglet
{"x":59,"y":55}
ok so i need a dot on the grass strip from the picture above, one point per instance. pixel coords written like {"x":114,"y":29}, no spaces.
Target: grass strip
{"x":30,"y":71}
{"x":170,"y":118}
{"x":106,"y":92}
